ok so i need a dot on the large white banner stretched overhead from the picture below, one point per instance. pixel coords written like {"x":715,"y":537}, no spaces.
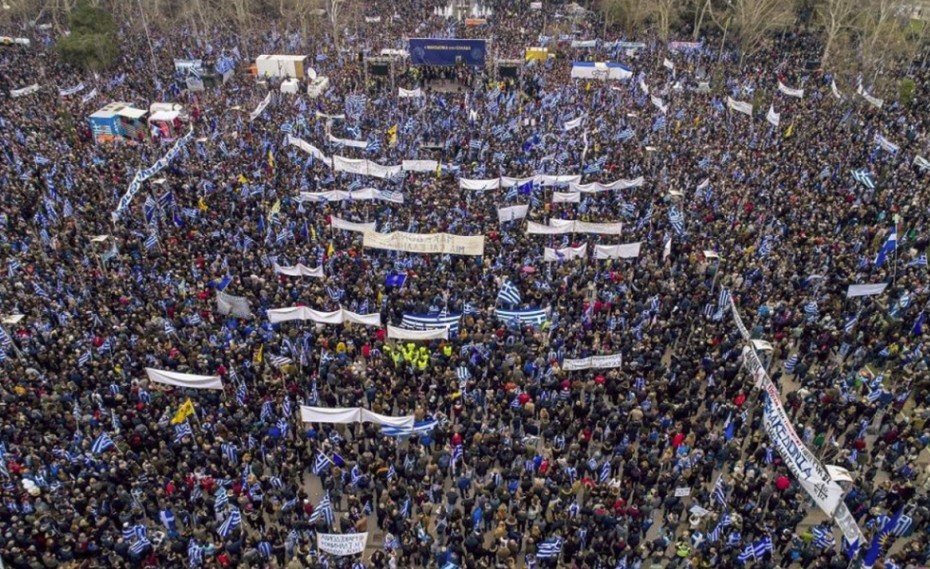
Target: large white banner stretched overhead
{"x":874,"y":101}
{"x":600,"y":70}
{"x":351,"y":415}
{"x":565,"y":254}
{"x":396,"y":333}
{"x":426,"y":242}
{"x":625,"y":251}
{"x":865,"y":289}
{"x":740,"y":106}
{"x":299,"y":270}
{"x":364,"y":167}
{"x":615,"y":185}
{"x":799,"y":93}
{"x":361,"y":194}
{"x":563,"y":226}
{"x":342,"y":544}
{"x":237,"y":306}
{"x":404,"y":93}
{"x":308,"y":148}
{"x":347,"y":142}
{"x":514,"y":212}
{"x":340,"y":316}
{"x":594,"y":362}
{"x":480,"y":185}
{"x":261,"y":107}
{"x":566,"y":197}
{"x":184,"y":379}
{"x":16,"y":93}
{"x":339,"y":223}
{"x":419,"y":165}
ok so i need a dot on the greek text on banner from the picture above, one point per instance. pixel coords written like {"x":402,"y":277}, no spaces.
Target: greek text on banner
{"x":341,"y":544}
{"x":425,"y":242}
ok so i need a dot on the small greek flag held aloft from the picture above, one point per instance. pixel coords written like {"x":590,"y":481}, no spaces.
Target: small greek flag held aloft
{"x":509,"y":294}
{"x":677,"y":219}
{"x":533,"y":317}
{"x":865,"y":178}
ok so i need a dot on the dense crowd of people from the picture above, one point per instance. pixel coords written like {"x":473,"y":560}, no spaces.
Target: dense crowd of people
{"x":662,"y":461}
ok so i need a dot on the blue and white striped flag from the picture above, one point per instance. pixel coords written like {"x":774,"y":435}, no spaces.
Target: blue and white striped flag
{"x":756,"y":549}
{"x":509,"y":294}
{"x":102,"y":443}
{"x":231,"y":523}
{"x":549,"y":549}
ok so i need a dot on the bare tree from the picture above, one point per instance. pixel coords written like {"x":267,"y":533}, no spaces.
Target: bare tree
{"x":667,"y":12}
{"x":836,"y":17}
{"x":751,"y":20}
{"x":629,"y":14}
{"x":883,"y":27}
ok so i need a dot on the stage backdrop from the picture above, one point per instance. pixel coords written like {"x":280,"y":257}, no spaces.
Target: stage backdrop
{"x":444,"y":51}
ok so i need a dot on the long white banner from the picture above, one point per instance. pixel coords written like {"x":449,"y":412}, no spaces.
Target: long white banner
{"x":799,"y":93}
{"x":364,"y":167}
{"x":184,"y":379}
{"x":563,"y":226}
{"x":480,"y":185}
{"x":514,"y":212}
{"x":426,"y":242}
{"x":406,"y":94}
{"x":261,"y":107}
{"x":566,"y":197}
{"x":396,"y":333}
{"x":865,"y":289}
{"x":308,"y":148}
{"x":564,"y":254}
{"x":342,"y":544}
{"x":811,"y":474}
{"x":740,"y":106}
{"x":16,"y":93}
{"x":593,"y":362}
{"x":348,"y":142}
{"x":351,"y":415}
{"x":299,"y":270}
{"x":340,"y":316}
{"x":875,"y":101}
{"x":339,"y":223}
{"x":419,"y":165}
{"x":615,"y":185}
{"x":624,"y":251}
{"x":362,"y":194}
{"x":143,"y":175}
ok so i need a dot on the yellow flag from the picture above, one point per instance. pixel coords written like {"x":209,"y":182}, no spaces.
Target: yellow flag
{"x":276,"y":208}
{"x":392,"y":135}
{"x":271,"y":159}
{"x":790,"y":131}
{"x":202,"y":204}
{"x":380,"y":297}
{"x":330,"y":250}
{"x":185,"y":411}
{"x":313,"y":232}
{"x":438,"y":170}
{"x":258,"y":355}
{"x":243,"y":179}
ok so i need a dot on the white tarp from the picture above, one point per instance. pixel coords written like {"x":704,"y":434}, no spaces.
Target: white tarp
{"x":740,"y":106}
{"x":426,"y":242}
{"x":362,"y":194}
{"x":596,"y":187}
{"x":419,"y":165}
{"x":16,"y":93}
{"x":405,"y":93}
{"x":340,"y":316}
{"x":625,"y":251}
{"x":364,"y":167}
{"x":396,"y":333}
{"x":505,"y":214}
{"x":345,"y":415}
{"x":594,"y":362}
{"x":347,"y":142}
{"x":261,"y":107}
{"x":565,"y":254}
{"x":342,"y":544}
{"x":339,"y":223}
{"x":184,"y":379}
{"x":237,"y":306}
{"x":563,"y":226}
{"x":566,"y":197}
{"x":865,"y":289}
{"x":299,"y":270}
{"x":773,"y":117}
{"x":875,"y":101}
{"x":307,"y":147}
{"x":799,"y":93}
{"x":481,"y":185}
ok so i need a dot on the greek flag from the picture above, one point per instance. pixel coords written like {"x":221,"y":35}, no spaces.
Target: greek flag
{"x":605,"y":472}
{"x":811,"y":308}
{"x":419,"y":428}
{"x":322,"y":463}
{"x":102,"y":443}
{"x":550,"y":548}
{"x":851,"y":323}
{"x":151,"y":241}
{"x":324,"y":509}
{"x":865,"y":178}
{"x":823,"y":537}
{"x":659,"y":123}
{"x":169,"y":328}
{"x":533,"y":317}
{"x":231,"y":523}
{"x":766,"y":246}
{"x":756,"y":549}
{"x":194,"y":554}
{"x":719,"y":493}
{"x":469,"y":308}
{"x":462,"y":373}
{"x":182,"y":430}
{"x":677,"y":219}
{"x":428,"y":322}
{"x":509,"y":294}
{"x":279,"y":361}
{"x":625,"y":134}
{"x":139,"y":546}
{"x":791,"y":363}
{"x":725,"y":521}
{"x":918,"y":262}
{"x":335,"y":293}
{"x":890,"y":245}
{"x":374,"y":145}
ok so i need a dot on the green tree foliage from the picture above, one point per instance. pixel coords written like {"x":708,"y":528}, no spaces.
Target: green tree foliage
{"x":92,"y":43}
